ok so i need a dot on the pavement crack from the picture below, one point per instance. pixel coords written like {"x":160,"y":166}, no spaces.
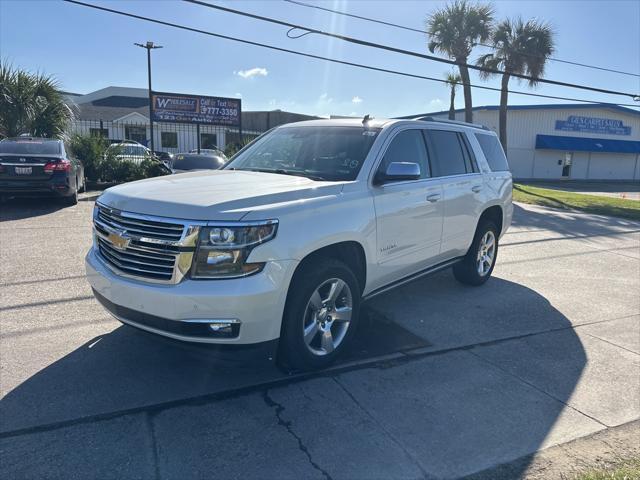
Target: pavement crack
{"x":154,"y":444}
{"x":279,"y":408}
{"x":610,"y":343}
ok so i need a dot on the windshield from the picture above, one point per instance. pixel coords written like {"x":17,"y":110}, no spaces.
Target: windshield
{"x":30,"y":147}
{"x":197,"y":162}
{"x":125,"y":149}
{"x":319,"y":153}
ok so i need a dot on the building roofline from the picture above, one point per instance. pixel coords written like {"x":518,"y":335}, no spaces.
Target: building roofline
{"x":548,"y":106}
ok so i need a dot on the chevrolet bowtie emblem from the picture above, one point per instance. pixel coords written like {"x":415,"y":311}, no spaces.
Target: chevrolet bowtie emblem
{"x":119,"y":242}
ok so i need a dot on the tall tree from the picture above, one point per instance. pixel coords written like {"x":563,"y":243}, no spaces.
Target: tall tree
{"x":521,"y":48}
{"x":454,"y":31}
{"x":31,"y":103}
{"x":453,"y":79}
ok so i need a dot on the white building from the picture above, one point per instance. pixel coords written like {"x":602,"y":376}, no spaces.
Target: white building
{"x":566,"y":141}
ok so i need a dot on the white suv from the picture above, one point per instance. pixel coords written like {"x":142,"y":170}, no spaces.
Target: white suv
{"x":301,"y":226}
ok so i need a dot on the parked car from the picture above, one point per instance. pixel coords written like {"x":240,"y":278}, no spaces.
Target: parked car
{"x":184,"y":162}
{"x":32,"y":166}
{"x":286,"y":241}
{"x":207,"y":151}
{"x":129,"y":150}
{"x":165,"y":157}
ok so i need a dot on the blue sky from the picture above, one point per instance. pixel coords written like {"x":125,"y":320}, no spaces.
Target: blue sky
{"x":87,"y":50}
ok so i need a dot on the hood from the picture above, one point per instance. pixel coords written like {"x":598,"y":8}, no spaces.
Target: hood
{"x":214,"y":194}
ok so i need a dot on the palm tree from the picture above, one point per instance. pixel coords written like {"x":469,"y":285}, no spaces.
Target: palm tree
{"x":519,"y":48}
{"x":453,"y":79}
{"x":454,"y":31}
{"x":31,"y":104}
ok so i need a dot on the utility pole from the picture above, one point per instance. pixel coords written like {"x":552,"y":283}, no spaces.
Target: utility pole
{"x":149,"y":46}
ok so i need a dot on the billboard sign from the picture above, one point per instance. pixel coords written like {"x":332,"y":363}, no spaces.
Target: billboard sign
{"x":606,"y":126}
{"x":179,"y":108}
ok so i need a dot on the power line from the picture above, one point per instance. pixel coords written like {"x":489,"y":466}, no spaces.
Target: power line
{"x":406,"y":52}
{"x":411,"y":29}
{"x":328,"y":59}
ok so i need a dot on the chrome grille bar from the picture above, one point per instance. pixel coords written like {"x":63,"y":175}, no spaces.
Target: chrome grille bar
{"x":140,"y":227}
{"x":143,"y":247}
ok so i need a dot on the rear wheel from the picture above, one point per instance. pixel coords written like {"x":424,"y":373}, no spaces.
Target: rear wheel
{"x":321,"y":315}
{"x":478,"y":263}
{"x":73,"y":198}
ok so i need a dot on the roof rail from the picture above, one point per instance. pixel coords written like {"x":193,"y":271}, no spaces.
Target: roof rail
{"x":454,"y":122}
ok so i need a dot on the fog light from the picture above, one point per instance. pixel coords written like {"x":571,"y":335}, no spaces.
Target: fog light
{"x":227,"y":329}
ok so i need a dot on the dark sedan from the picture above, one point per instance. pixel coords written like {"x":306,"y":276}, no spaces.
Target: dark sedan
{"x":184,"y":162}
{"x":31,"y":166}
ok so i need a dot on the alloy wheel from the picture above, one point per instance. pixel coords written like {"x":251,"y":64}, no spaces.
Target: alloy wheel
{"x":486,"y":253}
{"x":327,"y":316}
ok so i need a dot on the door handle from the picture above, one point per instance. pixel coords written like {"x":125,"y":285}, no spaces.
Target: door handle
{"x":476,"y":188}
{"x":433,"y":198}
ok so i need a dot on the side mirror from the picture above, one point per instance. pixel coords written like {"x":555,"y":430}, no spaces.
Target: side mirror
{"x":398,"y":171}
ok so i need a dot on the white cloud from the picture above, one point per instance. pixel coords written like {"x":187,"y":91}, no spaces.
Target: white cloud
{"x":356,"y":99}
{"x":325,"y":98}
{"x":239,"y":95}
{"x":436,"y":104}
{"x":252,"y":72}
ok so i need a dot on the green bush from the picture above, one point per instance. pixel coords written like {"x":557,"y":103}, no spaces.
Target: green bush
{"x":101,"y":165}
{"x":89,"y":149}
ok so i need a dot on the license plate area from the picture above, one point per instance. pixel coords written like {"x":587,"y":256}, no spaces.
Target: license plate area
{"x":24,"y":170}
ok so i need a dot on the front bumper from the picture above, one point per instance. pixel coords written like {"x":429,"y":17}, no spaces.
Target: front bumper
{"x":181,"y":311}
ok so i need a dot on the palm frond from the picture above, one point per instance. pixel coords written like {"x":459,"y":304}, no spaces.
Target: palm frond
{"x":31,"y":103}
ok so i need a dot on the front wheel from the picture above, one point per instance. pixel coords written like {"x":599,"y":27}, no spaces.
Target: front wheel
{"x":321,"y":315}
{"x":477,"y":265}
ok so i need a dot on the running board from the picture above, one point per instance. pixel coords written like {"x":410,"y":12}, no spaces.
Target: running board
{"x":412,"y":277}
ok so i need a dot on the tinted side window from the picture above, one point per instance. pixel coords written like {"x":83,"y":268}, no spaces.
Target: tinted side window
{"x":407,"y":146}
{"x":493,"y":152}
{"x":448,"y":157}
{"x":472,"y":164}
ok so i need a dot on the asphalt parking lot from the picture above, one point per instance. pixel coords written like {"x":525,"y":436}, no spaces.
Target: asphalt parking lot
{"x":445,"y":381}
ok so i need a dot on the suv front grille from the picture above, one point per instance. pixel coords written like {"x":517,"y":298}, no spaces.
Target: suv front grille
{"x":151,"y":249}
{"x":140,"y":263}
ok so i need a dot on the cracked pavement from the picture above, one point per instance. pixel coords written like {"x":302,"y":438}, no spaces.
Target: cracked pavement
{"x":547,"y":352}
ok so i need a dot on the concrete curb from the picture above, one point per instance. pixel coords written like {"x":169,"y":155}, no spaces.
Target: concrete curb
{"x":88,"y":196}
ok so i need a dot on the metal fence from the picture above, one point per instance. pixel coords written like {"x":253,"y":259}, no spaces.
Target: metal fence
{"x":168,"y":137}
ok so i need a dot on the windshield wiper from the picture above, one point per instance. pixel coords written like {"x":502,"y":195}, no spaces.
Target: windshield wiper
{"x":281,"y":171}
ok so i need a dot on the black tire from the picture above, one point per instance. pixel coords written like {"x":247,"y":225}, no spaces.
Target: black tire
{"x":73,"y":198}
{"x":467,"y":270}
{"x":293,"y":352}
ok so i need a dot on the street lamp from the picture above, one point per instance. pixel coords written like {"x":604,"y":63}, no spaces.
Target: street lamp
{"x":149,"y":46}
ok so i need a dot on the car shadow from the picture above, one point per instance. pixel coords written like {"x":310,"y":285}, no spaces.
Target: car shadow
{"x":126,"y":370}
{"x":20,"y":208}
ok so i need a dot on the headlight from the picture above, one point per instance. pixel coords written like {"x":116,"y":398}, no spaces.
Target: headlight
{"x":223,"y":250}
